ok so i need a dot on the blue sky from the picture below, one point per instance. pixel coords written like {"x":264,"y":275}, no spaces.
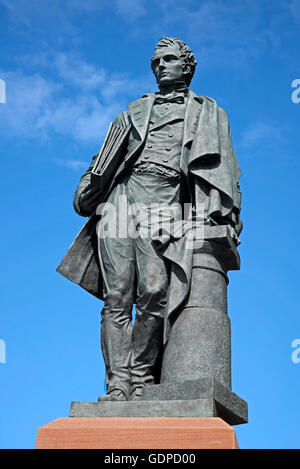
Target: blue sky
{"x":70,"y":67}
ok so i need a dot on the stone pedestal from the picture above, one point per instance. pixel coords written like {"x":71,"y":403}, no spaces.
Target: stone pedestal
{"x":204,"y":397}
{"x":199,"y":343}
{"x":197,"y":357}
{"x":136,"y":433}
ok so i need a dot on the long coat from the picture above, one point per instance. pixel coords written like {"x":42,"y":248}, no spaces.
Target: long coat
{"x":207,"y":155}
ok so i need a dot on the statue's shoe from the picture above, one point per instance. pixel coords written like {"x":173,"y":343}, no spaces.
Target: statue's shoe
{"x":136,"y":394}
{"x":115,"y":395}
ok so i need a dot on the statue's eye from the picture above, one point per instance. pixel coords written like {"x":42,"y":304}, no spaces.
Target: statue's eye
{"x":169,"y":58}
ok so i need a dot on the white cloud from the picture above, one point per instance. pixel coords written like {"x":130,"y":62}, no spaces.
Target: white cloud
{"x":78,"y":72}
{"x":34,"y":13}
{"x":76,"y":165}
{"x":24,"y":10}
{"x":130,"y":9}
{"x":26,"y":99}
{"x":270,"y":135}
{"x":82,"y":118}
{"x":80,"y":103}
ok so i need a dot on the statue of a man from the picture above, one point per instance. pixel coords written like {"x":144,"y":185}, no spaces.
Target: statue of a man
{"x":178,"y":152}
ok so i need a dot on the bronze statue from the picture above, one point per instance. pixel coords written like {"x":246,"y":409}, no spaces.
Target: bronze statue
{"x":177,"y":152}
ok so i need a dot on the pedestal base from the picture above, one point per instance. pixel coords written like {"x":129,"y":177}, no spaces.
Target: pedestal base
{"x":204,"y":397}
{"x":136,"y":433}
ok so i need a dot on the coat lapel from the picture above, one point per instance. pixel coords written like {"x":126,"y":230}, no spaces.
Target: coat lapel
{"x":192,"y":114}
{"x":140,"y":111}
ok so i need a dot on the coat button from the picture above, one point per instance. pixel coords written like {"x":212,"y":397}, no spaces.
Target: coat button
{"x":168,"y":148}
{"x":146,"y":157}
{"x":165,"y":160}
{"x":149,"y":145}
{"x":171,"y":135}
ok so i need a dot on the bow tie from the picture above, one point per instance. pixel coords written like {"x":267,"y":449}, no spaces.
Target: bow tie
{"x":176,"y":98}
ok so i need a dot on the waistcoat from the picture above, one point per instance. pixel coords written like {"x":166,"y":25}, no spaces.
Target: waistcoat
{"x":163,"y":143}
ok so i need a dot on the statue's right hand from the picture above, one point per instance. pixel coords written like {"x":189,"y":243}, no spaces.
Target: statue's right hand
{"x":89,"y":199}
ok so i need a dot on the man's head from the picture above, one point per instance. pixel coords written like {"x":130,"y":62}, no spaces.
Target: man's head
{"x":173,"y":61}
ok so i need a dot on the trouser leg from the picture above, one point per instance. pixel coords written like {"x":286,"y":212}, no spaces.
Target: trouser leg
{"x":147,"y":333}
{"x":117,"y":262}
{"x":116,"y":348}
{"x":146,"y":349}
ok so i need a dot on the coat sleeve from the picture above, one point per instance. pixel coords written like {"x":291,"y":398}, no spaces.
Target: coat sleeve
{"x":84,"y":183}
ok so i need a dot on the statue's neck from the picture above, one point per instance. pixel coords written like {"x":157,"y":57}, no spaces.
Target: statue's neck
{"x":178,"y":86}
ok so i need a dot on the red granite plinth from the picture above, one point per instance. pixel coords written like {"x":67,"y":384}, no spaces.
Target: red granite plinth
{"x":136,"y":433}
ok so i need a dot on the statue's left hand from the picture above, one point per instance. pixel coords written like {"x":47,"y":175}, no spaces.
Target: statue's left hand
{"x":89,"y":199}
{"x":234,"y":235}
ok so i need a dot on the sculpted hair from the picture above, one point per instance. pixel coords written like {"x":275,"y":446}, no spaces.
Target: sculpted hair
{"x":186,"y":55}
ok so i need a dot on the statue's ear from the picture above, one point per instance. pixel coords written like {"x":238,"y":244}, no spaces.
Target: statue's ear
{"x":186,"y":69}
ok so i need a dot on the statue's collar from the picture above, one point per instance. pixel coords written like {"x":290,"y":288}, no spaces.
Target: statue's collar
{"x":190,"y":94}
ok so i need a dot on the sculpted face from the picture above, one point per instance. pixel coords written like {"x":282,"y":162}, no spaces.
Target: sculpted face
{"x":167,"y":66}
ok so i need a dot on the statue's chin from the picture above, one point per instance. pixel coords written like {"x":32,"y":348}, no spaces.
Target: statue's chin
{"x":164,"y":83}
